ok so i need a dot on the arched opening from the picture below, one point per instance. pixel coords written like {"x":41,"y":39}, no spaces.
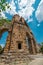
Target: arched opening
{"x":3,"y":38}
{"x":28,"y":42}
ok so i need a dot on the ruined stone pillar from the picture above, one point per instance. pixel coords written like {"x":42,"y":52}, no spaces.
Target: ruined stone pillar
{"x":33,"y":47}
{"x":7,"y":46}
{"x":16,"y":38}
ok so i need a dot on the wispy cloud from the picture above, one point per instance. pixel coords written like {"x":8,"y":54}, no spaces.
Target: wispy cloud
{"x":11,"y":11}
{"x":25,"y":8}
{"x":39,"y":12}
{"x":38,"y":25}
{"x":2,"y":45}
{"x":2,"y":15}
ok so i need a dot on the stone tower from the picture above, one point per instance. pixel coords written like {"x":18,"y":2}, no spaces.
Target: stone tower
{"x":20,"y":38}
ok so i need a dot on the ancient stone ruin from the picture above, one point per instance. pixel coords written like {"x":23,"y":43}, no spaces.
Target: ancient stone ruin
{"x":20,"y":41}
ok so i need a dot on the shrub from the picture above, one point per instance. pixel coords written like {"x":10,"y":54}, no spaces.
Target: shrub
{"x":41,"y":49}
{"x":1,"y":49}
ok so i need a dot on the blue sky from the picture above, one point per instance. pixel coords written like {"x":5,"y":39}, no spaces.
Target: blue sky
{"x":32,"y":12}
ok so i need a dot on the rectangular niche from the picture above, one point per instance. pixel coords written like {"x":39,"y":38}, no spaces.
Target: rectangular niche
{"x":19,"y":45}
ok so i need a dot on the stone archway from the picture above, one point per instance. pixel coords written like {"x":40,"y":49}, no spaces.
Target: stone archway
{"x":8,"y":37}
{"x":18,"y":32}
{"x":3,"y":38}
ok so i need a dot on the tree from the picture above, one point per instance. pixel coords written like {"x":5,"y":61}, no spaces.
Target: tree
{"x":1,"y":49}
{"x":41,"y":49}
{"x":3,"y":4}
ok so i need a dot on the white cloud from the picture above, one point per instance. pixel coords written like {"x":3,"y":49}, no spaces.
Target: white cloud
{"x":2,"y":15}
{"x":2,"y":45}
{"x":39,"y":12}
{"x":13,"y":8}
{"x":27,"y":11}
{"x":23,"y":3}
{"x":38,"y":25}
{"x":30,"y":20}
{"x":25,"y":7}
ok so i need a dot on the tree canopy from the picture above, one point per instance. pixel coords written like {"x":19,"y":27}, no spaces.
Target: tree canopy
{"x":3,"y":4}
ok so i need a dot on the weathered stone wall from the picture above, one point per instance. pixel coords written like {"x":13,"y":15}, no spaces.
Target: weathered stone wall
{"x":18,"y":31}
{"x":17,"y":34}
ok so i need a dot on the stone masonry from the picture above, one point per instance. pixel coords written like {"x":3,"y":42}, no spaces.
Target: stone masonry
{"x":17,"y":37}
{"x":20,"y":41}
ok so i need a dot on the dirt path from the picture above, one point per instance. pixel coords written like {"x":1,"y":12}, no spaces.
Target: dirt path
{"x":37,"y":61}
